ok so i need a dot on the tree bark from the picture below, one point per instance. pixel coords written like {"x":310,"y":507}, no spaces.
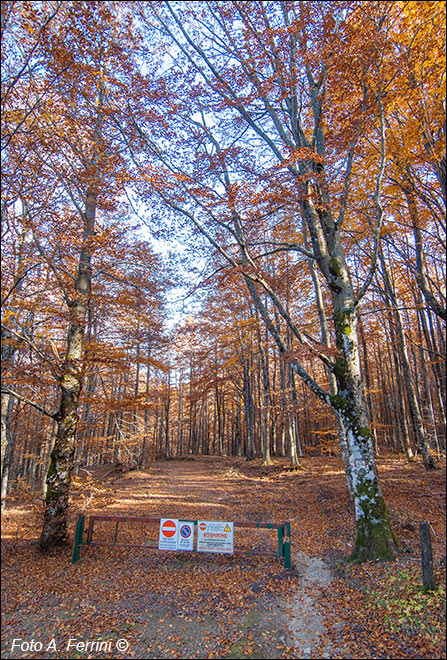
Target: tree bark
{"x":54,"y":531}
{"x":7,"y":443}
{"x":374,"y":537}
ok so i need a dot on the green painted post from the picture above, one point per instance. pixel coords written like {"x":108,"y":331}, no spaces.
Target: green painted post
{"x":75,"y":555}
{"x":287,"y":553}
{"x":78,"y":537}
{"x":116,"y":532}
{"x":281,"y":541}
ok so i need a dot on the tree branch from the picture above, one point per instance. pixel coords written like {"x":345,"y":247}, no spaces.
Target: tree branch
{"x":7,"y":390}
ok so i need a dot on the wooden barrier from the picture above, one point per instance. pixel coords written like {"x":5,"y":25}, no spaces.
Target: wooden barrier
{"x":283,"y":534}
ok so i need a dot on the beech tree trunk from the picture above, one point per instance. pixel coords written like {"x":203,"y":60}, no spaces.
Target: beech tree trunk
{"x":62,"y":459}
{"x":374,"y":537}
{"x":54,"y":531}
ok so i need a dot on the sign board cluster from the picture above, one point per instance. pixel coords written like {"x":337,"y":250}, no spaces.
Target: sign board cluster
{"x":212,"y":535}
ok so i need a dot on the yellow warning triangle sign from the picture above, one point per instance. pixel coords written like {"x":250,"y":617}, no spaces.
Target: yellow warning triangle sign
{"x":227,"y":528}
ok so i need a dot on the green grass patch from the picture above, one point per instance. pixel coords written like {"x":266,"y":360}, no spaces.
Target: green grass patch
{"x":407,"y":608}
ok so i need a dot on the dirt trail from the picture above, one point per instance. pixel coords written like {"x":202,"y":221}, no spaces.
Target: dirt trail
{"x":165,"y":605}
{"x":197,"y":605}
{"x":307,"y":624}
{"x":275,"y":622}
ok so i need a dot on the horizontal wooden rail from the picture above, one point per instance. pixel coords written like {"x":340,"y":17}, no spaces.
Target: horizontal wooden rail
{"x":125,"y":518}
{"x":143,"y":519}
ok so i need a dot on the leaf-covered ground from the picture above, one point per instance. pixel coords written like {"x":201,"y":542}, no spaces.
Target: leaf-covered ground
{"x":190,"y":605}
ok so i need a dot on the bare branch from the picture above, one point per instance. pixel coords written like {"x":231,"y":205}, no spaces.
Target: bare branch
{"x":7,"y":390}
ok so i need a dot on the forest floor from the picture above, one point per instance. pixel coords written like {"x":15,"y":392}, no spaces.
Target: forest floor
{"x":193,"y":605}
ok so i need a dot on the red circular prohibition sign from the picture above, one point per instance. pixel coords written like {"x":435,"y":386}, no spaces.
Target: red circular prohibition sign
{"x":169,"y":528}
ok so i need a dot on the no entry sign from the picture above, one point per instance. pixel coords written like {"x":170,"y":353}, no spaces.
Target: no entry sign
{"x":215,"y":536}
{"x":167,"y":539}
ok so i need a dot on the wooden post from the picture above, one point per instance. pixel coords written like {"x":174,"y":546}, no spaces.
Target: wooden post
{"x":428,"y":578}
{"x":78,"y":537}
{"x":90,"y":531}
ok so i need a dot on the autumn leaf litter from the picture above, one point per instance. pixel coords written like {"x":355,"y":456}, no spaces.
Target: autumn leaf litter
{"x":191,"y":605}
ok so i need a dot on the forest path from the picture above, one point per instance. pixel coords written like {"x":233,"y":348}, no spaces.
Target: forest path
{"x":280,"y":622}
{"x":166,"y":604}
{"x":297,"y":621}
{"x":205,"y":605}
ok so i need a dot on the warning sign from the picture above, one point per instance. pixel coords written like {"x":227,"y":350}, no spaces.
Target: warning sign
{"x":215,"y":536}
{"x":185,"y":540}
{"x":167,"y":539}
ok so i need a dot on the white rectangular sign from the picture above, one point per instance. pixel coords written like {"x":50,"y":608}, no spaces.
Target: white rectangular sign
{"x":185,"y":539}
{"x":167,"y":539}
{"x":215,"y":536}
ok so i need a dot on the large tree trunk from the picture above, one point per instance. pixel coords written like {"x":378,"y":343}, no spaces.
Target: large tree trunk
{"x":62,"y":459}
{"x":54,"y":531}
{"x":374,"y":537}
{"x":332,"y":382}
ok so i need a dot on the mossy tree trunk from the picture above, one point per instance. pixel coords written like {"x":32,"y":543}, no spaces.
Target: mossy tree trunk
{"x":325,"y":339}
{"x":374,"y":538}
{"x":54,"y":531}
